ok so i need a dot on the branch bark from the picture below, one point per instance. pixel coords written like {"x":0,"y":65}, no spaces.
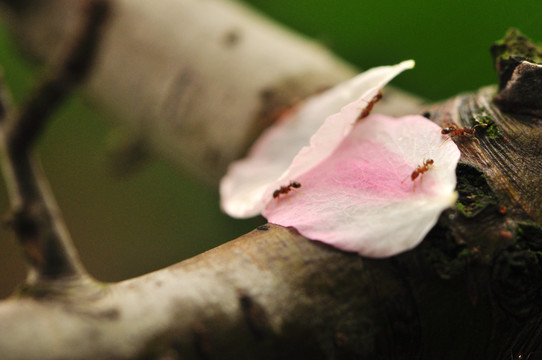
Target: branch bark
{"x":271,"y":293}
{"x":235,"y":301}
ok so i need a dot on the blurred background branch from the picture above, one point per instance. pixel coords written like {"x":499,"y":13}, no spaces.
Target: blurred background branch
{"x":35,"y":218}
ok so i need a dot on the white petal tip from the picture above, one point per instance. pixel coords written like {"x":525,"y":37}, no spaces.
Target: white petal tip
{"x":407,"y":64}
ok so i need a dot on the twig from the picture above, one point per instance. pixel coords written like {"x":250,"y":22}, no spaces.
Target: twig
{"x":35,"y":218}
{"x":56,"y":87}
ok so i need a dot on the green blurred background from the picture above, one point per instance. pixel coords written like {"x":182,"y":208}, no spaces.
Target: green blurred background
{"x":124,"y":227}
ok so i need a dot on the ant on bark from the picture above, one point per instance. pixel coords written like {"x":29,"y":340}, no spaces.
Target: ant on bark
{"x":286,"y":189}
{"x":453,"y":131}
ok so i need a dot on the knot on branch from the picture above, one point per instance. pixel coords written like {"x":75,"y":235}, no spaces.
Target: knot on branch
{"x":24,"y":222}
{"x":517,"y":273}
{"x":516,"y":281}
{"x":33,"y":228}
{"x":517,"y":61}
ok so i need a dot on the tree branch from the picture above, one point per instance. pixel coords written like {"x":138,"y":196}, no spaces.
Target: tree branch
{"x":234,"y":302}
{"x":73,"y":68}
{"x":35,"y":218}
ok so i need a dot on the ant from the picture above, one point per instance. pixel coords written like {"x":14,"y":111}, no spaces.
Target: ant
{"x":286,"y":189}
{"x":420,"y":169}
{"x":453,"y":131}
{"x":367,"y":110}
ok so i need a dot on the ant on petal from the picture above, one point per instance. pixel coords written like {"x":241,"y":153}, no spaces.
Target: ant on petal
{"x":286,"y":189}
{"x":367,"y":109}
{"x":420,"y":170}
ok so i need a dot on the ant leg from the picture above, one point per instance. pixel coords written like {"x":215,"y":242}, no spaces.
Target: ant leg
{"x":442,"y":143}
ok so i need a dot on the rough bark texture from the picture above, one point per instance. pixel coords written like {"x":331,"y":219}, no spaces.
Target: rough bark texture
{"x":472,"y":290}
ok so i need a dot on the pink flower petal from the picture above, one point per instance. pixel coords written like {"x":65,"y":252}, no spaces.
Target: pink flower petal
{"x":362,"y":198}
{"x":249,"y":183}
